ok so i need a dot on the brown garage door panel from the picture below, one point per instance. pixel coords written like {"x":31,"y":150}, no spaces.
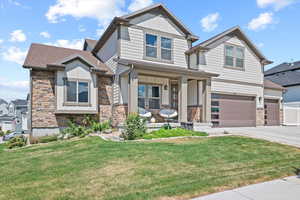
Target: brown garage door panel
{"x":236,"y":111}
{"x":272,"y":112}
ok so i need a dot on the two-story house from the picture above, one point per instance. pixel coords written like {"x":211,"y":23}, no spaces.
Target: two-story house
{"x":147,"y":59}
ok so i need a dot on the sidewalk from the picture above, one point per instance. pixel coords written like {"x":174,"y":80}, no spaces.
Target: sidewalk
{"x":281,"y":189}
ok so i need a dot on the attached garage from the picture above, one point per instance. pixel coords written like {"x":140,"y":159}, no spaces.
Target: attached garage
{"x":233,"y":111}
{"x":272,"y":112}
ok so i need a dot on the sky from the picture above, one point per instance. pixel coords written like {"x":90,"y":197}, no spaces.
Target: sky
{"x":272,"y":25}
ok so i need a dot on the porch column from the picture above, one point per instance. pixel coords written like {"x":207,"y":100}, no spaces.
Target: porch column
{"x":133,"y":92}
{"x":206,"y":103}
{"x":183,"y":99}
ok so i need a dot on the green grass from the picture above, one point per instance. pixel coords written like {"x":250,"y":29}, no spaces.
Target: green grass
{"x":90,"y":168}
{"x":164,"y":133}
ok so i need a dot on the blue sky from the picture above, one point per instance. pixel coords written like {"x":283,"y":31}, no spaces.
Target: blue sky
{"x":271,"y":24}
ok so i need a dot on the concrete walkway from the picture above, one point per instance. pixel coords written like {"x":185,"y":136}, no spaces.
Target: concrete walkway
{"x":281,"y":189}
{"x":289,"y":135}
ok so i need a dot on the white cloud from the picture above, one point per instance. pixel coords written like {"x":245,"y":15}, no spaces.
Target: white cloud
{"x":17,"y":36}
{"x":276,"y":4}
{"x":72,"y":44}
{"x":81,"y":28}
{"x":100,"y":31}
{"x":261,"y":21}
{"x":45,"y":34}
{"x":102,"y":10}
{"x":260,"y":44}
{"x":209,"y":23}
{"x":14,"y":54}
{"x":139,"y":4}
{"x":1,"y":41}
{"x":13,"y":89}
{"x":16,"y":3}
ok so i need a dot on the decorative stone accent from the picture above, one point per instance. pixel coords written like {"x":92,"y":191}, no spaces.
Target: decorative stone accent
{"x":43,"y":99}
{"x":105,"y":98}
{"x":281,"y":116}
{"x":119,"y":114}
{"x":260,"y":117}
{"x":194,"y":113}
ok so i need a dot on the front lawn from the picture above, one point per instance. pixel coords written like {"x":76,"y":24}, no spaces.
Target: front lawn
{"x":90,"y":168}
{"x":166,"y":133}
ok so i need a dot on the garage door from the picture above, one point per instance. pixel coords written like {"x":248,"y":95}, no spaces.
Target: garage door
{"x":272,"y":112}
{"x":233,"y":111}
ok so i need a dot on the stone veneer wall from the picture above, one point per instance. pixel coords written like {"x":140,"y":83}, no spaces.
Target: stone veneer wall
{"x":105,"y":98}
{"x":119,"y":114}
{"x":260,"y":117}
{"x":194,"y":113}
{"x":43,"y":99}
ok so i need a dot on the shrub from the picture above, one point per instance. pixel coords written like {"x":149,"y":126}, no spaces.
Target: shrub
{"x":165,"y":133}
{"x":46,"y":139}
{"x":135,"y":127}
{"x":97,"y":126}
{"x":18,"y":141}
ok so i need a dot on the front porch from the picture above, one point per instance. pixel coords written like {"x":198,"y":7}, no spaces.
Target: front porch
{"x":186,"y":91}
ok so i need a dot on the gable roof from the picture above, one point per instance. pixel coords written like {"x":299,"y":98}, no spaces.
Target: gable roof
{"x":283,"y":67}
{"x":162,"y":7}
{"x":19,"y":102}
{"x":89,"y":42}
{"x":288,"y":78}
{"x":236,"y":30}
{"x":271,"y":85}
{"x":125,"y":20}
{"x":42,"y":56}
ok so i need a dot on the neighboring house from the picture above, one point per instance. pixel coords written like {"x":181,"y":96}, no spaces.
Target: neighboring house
{"x":288,"y":76}
{"x":18,"y":105}
{"x":147,"y":59}
{"x":7,"y":122}
{"x":3,"y":109}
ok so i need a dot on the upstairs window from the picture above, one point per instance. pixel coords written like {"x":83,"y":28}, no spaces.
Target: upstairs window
{"x":166,"y":48}
{"x":151,"y":46}
{"x":158,"y":47}
{"x":77,"y":91}
{"x":234,"y":56}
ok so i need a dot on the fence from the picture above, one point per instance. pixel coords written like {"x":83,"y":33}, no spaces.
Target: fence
{"x":291,"y":114}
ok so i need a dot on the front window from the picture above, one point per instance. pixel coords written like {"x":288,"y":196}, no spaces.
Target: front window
{"x":149,"y":96}
{"x":77,"y":91}
{"x":151,"y":46}
{"x":234,"y":56}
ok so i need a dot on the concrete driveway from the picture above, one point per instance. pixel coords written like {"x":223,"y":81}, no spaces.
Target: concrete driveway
{"x":281,"y":189}
{"x":289,"y":135}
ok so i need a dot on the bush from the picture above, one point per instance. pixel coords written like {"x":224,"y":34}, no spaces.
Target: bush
{"x":165,"y":133}
{"x":97,"y":126}
{"x":135,"y":127}
{"x":46,"y":139}
{"x":18,"y":141}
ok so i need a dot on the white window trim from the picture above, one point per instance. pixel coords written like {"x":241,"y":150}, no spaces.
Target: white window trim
{"x":158,"y":48}
{"x":234,"y":56}
{"x":77,"y":103}
{"x":146,"y":97}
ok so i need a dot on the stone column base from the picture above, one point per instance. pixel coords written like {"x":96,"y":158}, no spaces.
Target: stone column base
{"x":194,"y":113}
{"x":119,"y":114}
{"x":260,"y":117}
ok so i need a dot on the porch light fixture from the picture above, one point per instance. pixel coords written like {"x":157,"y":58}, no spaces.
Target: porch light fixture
{"x":165,"y":87}
{"x":259,"y":99}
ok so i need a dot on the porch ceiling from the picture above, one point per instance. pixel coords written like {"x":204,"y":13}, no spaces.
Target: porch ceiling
{"x":166,"y":70}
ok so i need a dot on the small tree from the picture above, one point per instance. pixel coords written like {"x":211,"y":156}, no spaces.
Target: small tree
{"x":135,"y":126}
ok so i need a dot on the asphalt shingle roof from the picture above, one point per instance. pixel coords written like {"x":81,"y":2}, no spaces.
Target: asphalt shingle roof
{"x":40,"y":55}
{"x":283,"y":67}
{"x":287,"y":78}
{"x":272,"y":85}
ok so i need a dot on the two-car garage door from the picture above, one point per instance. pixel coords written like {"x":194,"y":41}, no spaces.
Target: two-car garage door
{"x":233,"y":110}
